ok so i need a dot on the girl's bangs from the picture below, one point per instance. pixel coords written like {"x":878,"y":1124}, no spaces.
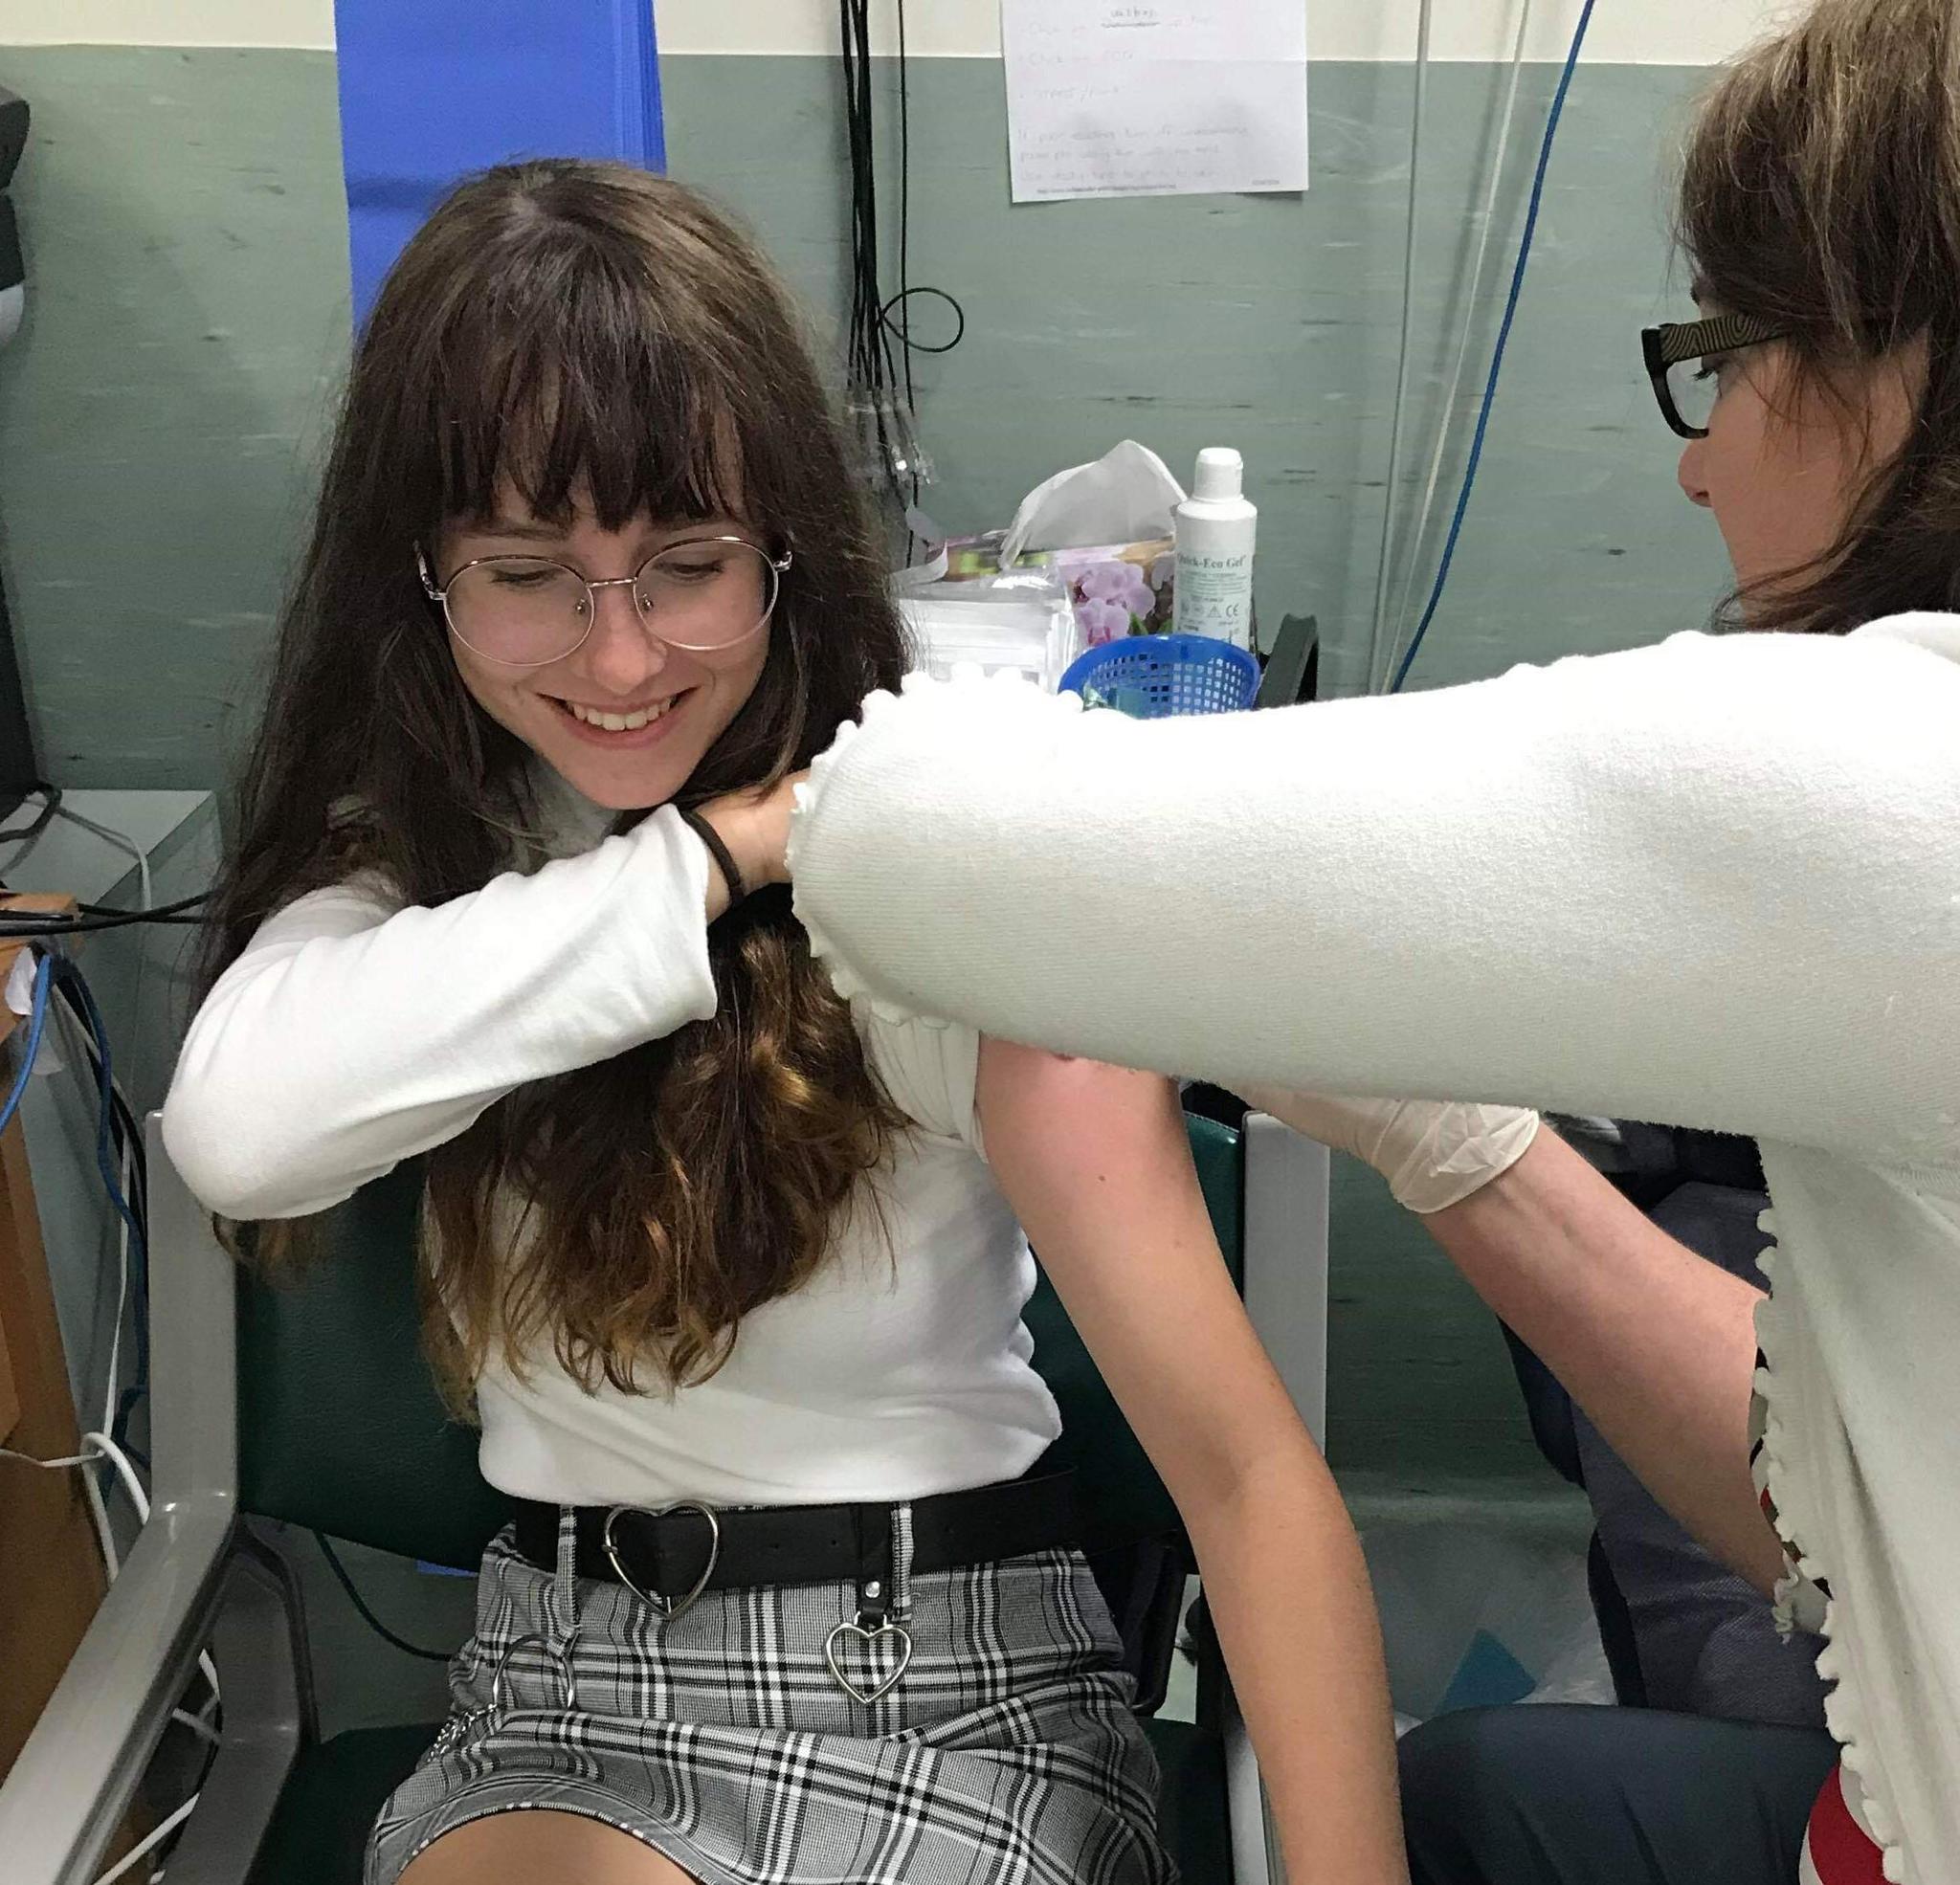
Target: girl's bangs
{"x":573,"y":393}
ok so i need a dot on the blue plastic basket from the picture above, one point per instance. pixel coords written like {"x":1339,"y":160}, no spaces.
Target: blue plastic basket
{"x":1148,"y":677}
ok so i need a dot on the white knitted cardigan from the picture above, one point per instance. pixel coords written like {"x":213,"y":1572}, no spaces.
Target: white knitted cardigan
{"x":1714,"y":882}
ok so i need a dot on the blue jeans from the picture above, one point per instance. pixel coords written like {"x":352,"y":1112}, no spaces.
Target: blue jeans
{"x":1560,"y":1795}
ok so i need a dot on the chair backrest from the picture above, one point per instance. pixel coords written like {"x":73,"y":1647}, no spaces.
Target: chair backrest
{"x":340,"y":1423}
{"x":341,"y":1427}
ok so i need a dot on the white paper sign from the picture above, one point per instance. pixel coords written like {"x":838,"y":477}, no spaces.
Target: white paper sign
{"x":1125,"y":97}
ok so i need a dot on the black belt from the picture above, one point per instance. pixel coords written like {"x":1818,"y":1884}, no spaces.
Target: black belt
{"x":670,"y":1556}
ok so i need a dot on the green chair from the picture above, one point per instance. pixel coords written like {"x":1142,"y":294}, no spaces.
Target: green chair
{"x":328,"y":1418}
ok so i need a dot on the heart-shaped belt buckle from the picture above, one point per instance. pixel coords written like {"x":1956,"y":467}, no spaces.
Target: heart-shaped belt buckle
{"x":868,"y":1637}
{"x":666,"y":1608}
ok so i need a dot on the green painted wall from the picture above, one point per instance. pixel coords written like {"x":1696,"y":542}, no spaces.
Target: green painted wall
{"x":186,"y":317}
{"x":163,"y":411}
{"x":1272,"y":323}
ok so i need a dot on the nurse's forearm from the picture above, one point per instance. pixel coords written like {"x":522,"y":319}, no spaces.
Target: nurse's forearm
{"x":1655,"y":1344}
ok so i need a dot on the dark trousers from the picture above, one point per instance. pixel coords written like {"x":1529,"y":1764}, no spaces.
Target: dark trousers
{"x":1607,"y":1796}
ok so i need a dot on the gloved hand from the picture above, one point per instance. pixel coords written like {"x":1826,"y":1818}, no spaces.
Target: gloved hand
{"x":1434,"y":1152}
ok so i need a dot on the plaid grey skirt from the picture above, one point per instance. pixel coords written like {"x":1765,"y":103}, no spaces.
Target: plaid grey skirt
{"x":1005,"y":1752}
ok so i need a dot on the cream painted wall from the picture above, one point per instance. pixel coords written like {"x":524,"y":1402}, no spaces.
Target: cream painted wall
{"x":1654,"y":33}
{"x":275,"y":23}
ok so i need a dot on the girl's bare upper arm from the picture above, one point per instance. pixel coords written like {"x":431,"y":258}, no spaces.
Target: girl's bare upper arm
{"x":1095,"y":1161}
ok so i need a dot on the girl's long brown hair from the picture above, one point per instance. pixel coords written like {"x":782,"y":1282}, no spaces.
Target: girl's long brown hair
{"x":585,"y":331}
{"x":1822,"y":193}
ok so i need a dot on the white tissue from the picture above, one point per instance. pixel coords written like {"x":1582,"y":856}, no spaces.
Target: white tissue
{"x":20,"y":983}
{"x":1125,"y":496}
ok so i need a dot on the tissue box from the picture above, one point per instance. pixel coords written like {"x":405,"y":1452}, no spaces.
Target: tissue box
{"x":1116,"y":590}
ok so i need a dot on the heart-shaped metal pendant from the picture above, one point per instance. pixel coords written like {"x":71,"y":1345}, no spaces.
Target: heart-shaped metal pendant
{"x":666,"y":1608}
{"x":868,"y":1637}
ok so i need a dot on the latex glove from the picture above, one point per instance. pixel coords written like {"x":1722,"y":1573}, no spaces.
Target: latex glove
{"x":1434,"y":1152}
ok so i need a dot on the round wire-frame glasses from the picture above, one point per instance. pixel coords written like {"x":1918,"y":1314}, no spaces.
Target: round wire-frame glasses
{"x":687,"y":593}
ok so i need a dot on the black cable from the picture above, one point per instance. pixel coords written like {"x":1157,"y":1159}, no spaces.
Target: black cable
{"x":903,"y":297}
{"x":38,"y":928}
{"x":128,"y":1132}
{"x":28,"y":836}
{"x":51,"y":804}
{"x":156,"y":910}
{"x":368,"y":1616}
{"x":164,"y":912}
{"x":128,"y":1144}
{"x":879,"y":338}
{"x":115,"y":1127}
{"x":928,"y":346}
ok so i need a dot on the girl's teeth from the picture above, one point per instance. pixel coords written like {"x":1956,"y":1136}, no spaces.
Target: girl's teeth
{"x":616,"y":723}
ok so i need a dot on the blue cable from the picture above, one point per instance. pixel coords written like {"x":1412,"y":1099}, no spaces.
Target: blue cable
{"x":37,"y":1023}
{"x":105,"y":1107}
{"x":91,"y":1017}
{"x":1497,"y":357}
{"x":48,"y":971}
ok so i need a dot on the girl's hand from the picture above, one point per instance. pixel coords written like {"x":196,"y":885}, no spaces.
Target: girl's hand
{"x":756,"y":827}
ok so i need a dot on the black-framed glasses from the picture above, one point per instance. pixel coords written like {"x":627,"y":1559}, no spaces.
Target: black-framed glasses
{"x":702,"y":593}
{"x":1680,"y":361}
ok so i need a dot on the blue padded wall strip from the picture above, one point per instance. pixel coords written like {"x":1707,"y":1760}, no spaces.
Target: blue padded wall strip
{"x":433,"y":89}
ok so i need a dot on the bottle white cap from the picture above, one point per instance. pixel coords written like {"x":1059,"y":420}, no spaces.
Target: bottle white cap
{"x":1221,"y":473}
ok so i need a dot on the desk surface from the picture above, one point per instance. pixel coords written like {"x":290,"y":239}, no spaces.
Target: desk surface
{"x":66,"y":857}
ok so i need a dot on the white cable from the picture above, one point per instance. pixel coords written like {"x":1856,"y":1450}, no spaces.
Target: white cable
{"x":197,"y":1725}
{"x":150,"y":1842}
{"x":122,"y":842}
{"x":105,"y":1535}
{"x":1427,"y":508}
{"x":99,"y":1446}
{"x":111,"y":1388}
{"x":93,"y":1493}
{"x":1377,"y":675}
{"x":99,"y":1511}
{"x":32,"y":1459}
{"x":109,"y":1395}
{"x":108,"y":1449}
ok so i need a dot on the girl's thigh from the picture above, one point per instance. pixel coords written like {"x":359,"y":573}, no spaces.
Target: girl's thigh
{"x":525,"y":1847}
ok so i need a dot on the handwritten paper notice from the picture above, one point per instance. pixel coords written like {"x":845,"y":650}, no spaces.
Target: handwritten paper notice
{"x":1125,"y":97}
